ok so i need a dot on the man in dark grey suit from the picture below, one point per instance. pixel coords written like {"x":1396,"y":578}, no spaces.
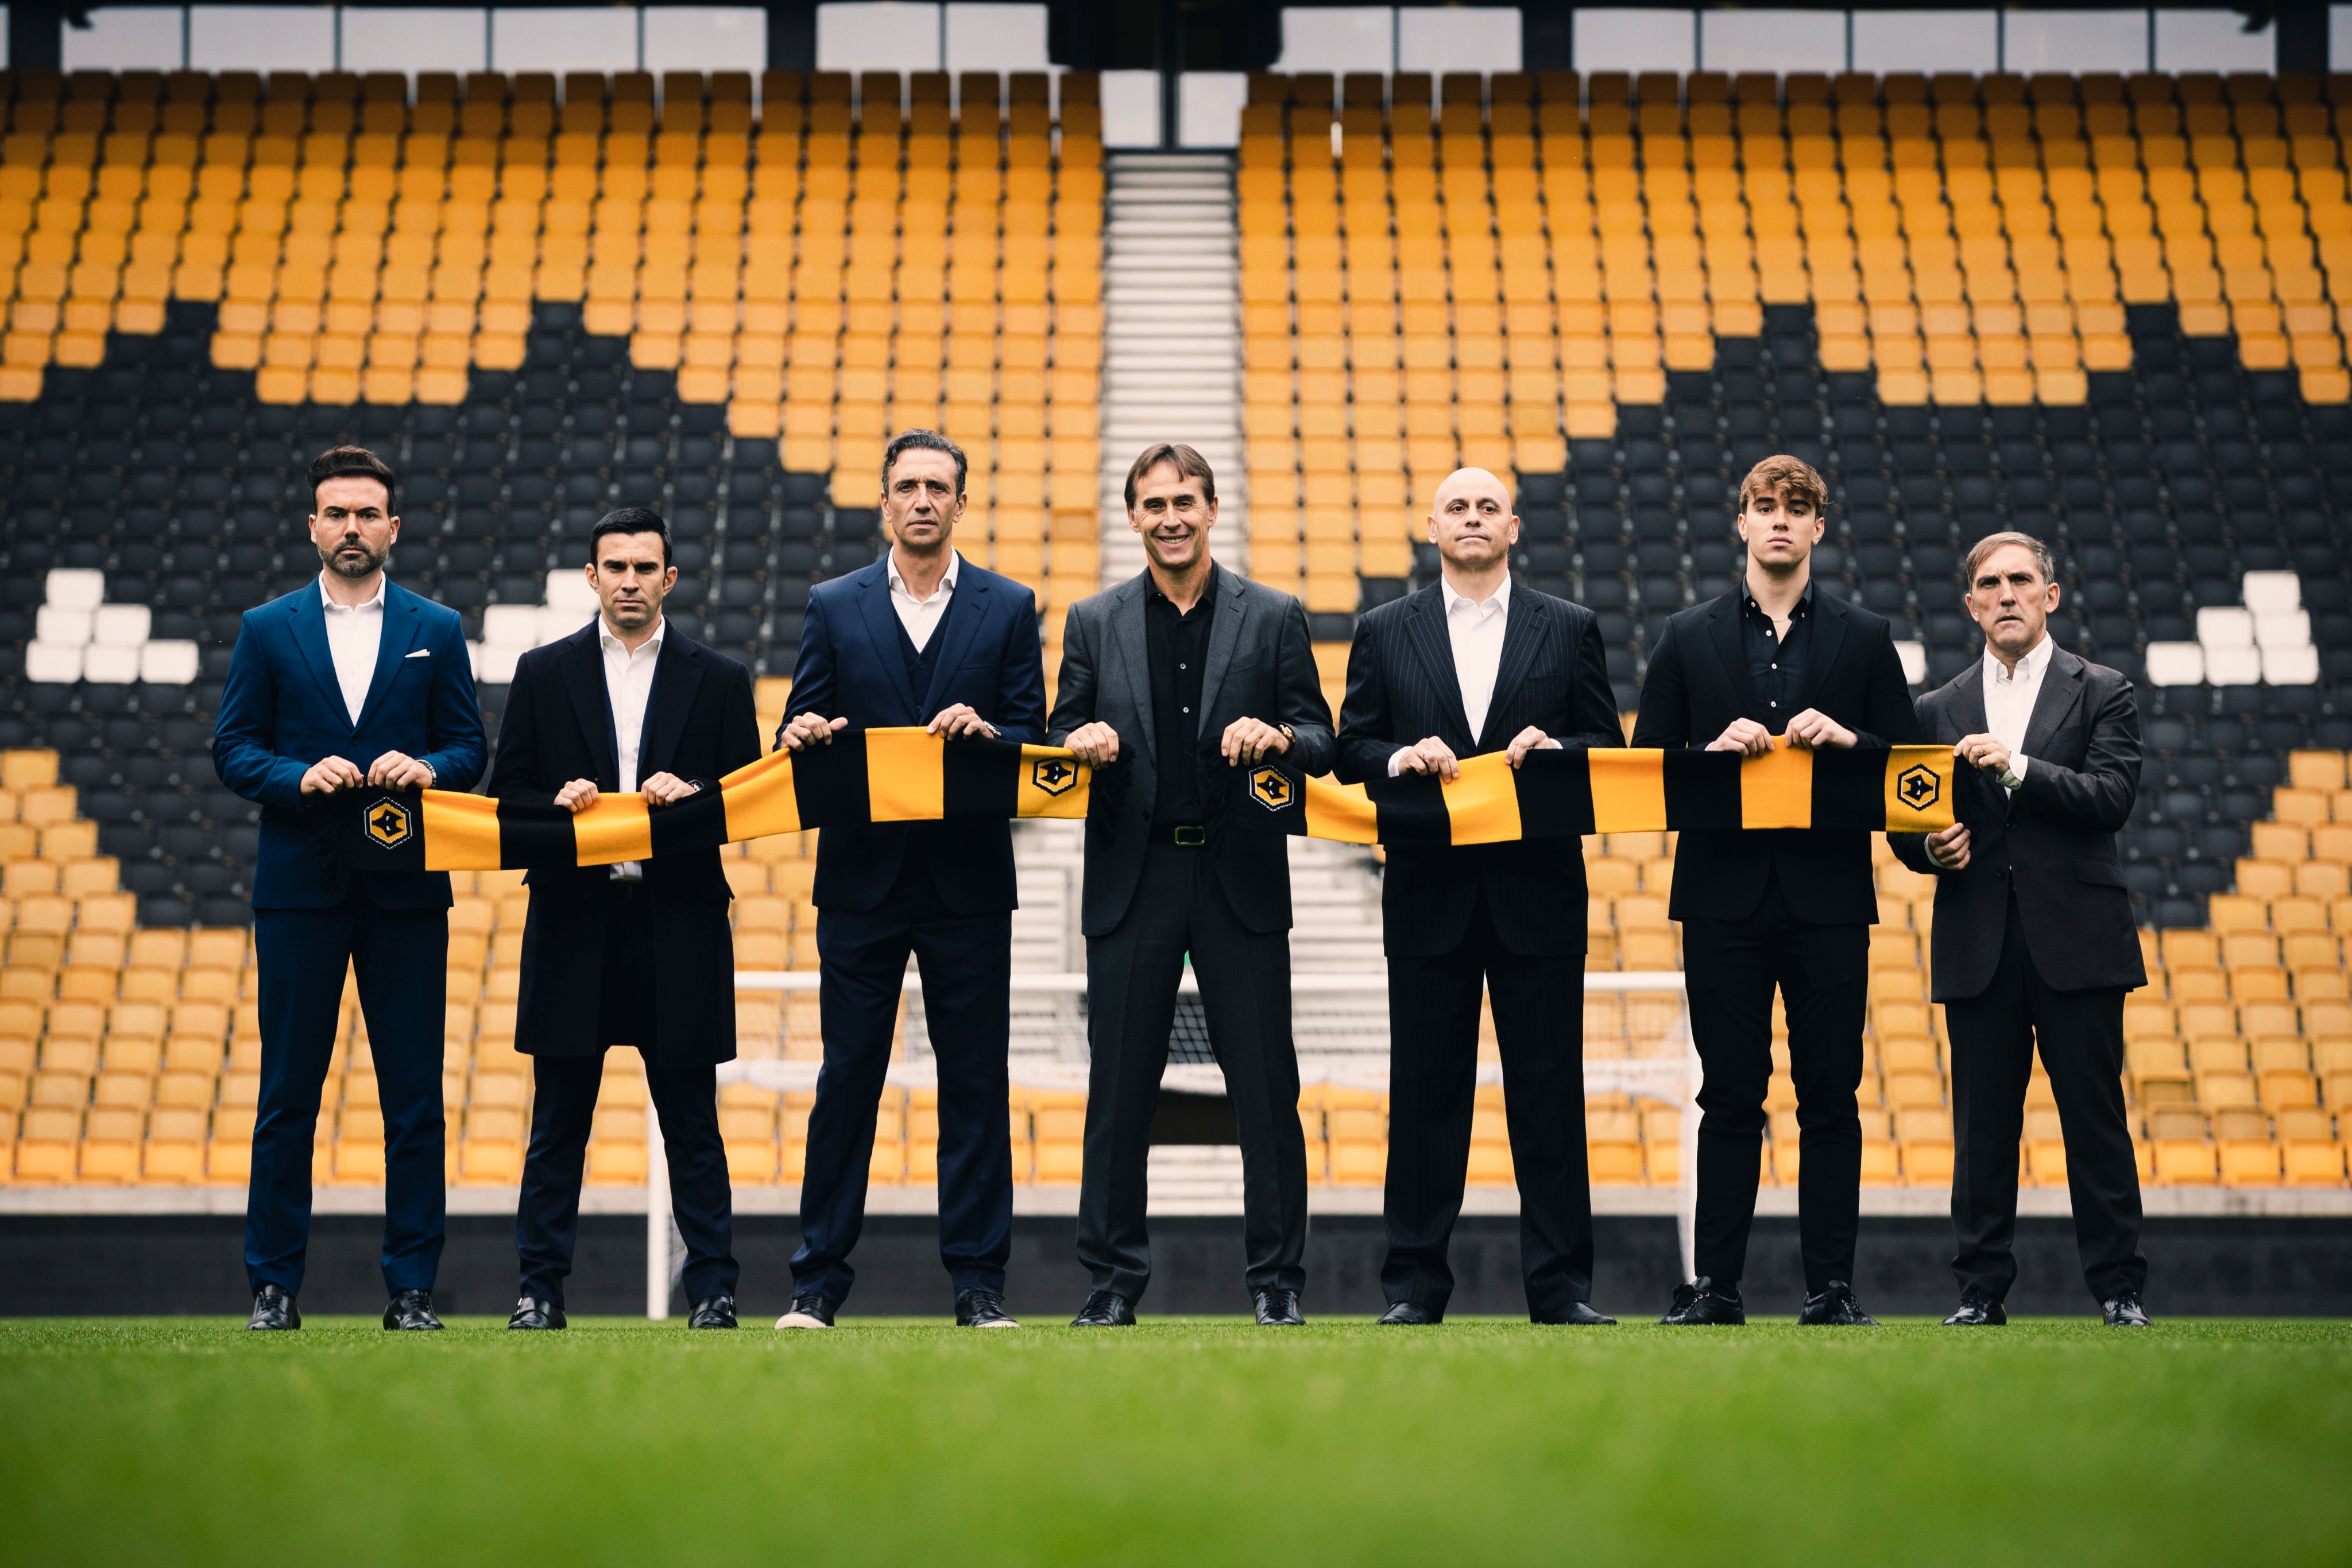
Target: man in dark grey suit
{"x":1172,"y":678}
{"x":2034,"y":943}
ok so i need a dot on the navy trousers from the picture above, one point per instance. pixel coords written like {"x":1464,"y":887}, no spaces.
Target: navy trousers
{"x":966,"y":963}
{"x":400,"y":958}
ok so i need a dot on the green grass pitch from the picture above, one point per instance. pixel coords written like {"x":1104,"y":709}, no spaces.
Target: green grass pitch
{"x":1186,"y":1440}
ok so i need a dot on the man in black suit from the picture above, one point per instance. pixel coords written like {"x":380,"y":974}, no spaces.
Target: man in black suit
{"x":1183,"y":656}
{"x":2033,"y":941}
{"x":1474,"y":663}
{"x":639,"y":954}
{"x":1791,"y":908}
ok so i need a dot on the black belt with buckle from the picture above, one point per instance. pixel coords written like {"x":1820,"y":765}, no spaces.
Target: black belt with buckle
{"x":1184,"y":835}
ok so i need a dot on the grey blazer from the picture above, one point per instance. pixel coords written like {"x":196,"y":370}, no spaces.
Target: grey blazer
{"x":1261,"y":665}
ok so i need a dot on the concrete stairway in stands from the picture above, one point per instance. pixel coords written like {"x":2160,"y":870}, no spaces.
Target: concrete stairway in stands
{"x":1171,"y":337}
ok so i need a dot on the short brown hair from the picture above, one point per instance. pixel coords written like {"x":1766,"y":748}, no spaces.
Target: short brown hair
{"x":1188,"y":463}
{"x":1992,"y":542}
{"x":1782,"y":472}
{"x":353,"y":463}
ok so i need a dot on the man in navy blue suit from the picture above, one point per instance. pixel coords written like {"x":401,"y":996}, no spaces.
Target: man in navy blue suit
{"x":922,"y":637}
{"x":348,"y":667}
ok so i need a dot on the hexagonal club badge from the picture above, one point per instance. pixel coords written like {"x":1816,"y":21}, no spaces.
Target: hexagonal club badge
{"x":1270,"y":788}
{"x":1053,"y":774}
{"x":389,"y":824}
{"x":1917,"y":786}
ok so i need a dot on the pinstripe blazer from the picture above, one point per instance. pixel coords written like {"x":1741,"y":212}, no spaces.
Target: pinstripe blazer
{"x":1402,"y":688}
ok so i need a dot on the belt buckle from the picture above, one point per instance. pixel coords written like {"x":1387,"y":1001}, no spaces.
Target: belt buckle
{"x":1191,"y":838}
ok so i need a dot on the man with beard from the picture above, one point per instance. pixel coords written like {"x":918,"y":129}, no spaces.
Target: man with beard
{"x":348,"y":682}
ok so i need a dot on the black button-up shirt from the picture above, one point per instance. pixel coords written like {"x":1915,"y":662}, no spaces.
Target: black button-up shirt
{"x":1776,"y":665}
{"x":1177,"y":645}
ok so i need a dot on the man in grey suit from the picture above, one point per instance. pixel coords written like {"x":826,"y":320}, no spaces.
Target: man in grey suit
{"x":1155,"y":673}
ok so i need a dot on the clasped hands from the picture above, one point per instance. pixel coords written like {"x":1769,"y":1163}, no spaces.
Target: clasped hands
{"x":392,"y":770}
{"x":1433,"y":756}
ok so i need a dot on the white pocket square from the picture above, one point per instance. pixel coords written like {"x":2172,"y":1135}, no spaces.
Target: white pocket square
{"x":422,"y":653}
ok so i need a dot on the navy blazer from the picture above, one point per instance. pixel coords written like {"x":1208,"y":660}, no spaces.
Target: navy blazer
{"x":283,"y":710}
{"x":851,"y":667}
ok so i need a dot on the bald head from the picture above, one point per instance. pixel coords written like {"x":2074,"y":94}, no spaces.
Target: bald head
{"x":1471,"y":524}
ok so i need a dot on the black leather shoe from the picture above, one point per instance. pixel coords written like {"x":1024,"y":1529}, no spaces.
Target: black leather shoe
{"x":1703,"y":1302}
{"x":1106,"y":1310}
{"x":1278,"y":1309}
{"x":274,"y":1309}
{"x":1581,"y":1315}
{"x":1835,"y":1307}
{"x":2126,"y":1312}
{"x":1407,"y":1314}
{"x":982,"y":1310}
{"x":810,"y":1311}
{"x":713,"y":1312}
{"x":411,"y":1309}
{"x":535,"y":1312}
{"x":1977,"y":1311}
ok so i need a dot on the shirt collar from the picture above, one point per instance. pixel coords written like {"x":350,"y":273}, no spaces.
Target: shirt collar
{"x":1500,"y":599}
{"x":383,"y":582}
{"x":1804,"y":605}
{"x":1151,"y":586}
{"x":898,"y":583}
{"x":611,"y":644}
{"x":2029,"y":668}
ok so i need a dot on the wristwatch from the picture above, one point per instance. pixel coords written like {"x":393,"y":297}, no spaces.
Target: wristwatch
{"x":1288,"y":734}
{"x":2010,"y":777}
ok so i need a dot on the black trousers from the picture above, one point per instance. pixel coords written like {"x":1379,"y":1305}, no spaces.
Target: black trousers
{"x":563,"y":1105}
{"x":1823,"y":972}
{"x":1432,"y":1084}
{"x":1178,"y":907}
{"x":967,"y":966}
{"x":2081,"y":1034}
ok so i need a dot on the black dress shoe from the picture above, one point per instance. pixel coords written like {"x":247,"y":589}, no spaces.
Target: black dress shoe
{"x":411,"y":1309}
{"x":274,"y":1309}
{"x":713,"y":1312}
{"x":1407,"y":1314}
{"x":1835,"y":1307}
{"x":809,"y":1310}
{"x":982,"y":1310}
{"x":1977,"y":1311}
{"x":536,"y":1313}
{"x":1581,"y":1315}
{"x":1278,"y":1309}
{"x":2126,"y":1312}
{"x":1703,"y":1302}
{"x":1106,"y":1310}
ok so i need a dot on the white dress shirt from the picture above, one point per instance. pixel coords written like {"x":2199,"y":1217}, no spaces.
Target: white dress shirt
{"x":354,"y":637}
{"x":1476,"y":628}
{"x":921,"y":617}
{"x":2009,"y":700}
{"x":629,"y":686}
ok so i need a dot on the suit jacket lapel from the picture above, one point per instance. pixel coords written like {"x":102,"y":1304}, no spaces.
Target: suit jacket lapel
{"x":1224,"y":636}
{"x":583,"y":678}
{"x":1829,"y":636}
{"x":311,"y":635}
{"x":1731,"y":647}
{"x":2061,"y":687}
{"x":1425,"y":626}
{"x":954,"y":633}
{"x":1133,"y":641}
{"x":1969,"y":711}
{"x":675,"y":676}
{"x":882,"y":625}
{"x":399,"y":636}
{"x":1523,"y":637}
